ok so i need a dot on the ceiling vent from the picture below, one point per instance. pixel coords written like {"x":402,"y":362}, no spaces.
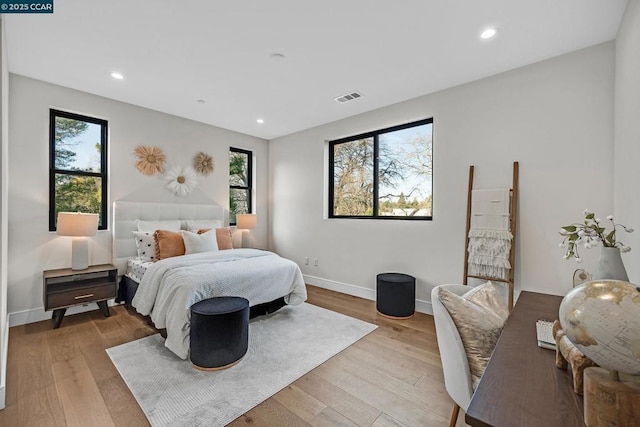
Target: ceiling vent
{"x":348,"y":97}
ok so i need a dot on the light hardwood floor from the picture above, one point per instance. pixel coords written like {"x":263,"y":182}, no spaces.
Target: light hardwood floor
{"x":392,"y":377}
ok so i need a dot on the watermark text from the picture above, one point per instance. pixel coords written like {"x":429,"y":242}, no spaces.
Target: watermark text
{"x":26,"y":6}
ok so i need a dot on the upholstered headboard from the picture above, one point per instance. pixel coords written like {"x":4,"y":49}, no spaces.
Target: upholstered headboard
{"x":125,"y":215}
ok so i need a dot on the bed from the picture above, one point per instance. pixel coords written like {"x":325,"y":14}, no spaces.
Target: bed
{"x":166,"y":289}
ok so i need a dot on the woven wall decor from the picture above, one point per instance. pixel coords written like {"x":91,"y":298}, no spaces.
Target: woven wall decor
{"x":150,"y":159}
{"x":181,"y":180}
{"x":203,"y":163}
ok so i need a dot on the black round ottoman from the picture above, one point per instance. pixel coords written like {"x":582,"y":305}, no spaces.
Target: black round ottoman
{"x":219,"y":332}
{"x":396,"y":295}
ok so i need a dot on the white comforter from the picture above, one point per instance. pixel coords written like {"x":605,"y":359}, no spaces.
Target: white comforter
{"x":171,"y":286}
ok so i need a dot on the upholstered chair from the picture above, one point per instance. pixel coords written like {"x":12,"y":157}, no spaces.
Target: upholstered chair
{"x":479,"y":313}
{"x":457,"y":376}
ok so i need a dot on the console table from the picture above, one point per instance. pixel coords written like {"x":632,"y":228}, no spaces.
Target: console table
{"x":521,"y":385}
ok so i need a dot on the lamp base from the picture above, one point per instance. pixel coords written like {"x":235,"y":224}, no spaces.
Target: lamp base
{"x":80,"y":253}
{"x":246,"y":239}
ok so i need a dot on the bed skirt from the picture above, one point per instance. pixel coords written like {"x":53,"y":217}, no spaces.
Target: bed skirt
{"x":128,"y":287}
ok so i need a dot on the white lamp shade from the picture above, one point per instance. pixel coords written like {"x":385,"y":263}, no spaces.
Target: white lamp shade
{"x":246,"y":221}
{"x":77,"y":224}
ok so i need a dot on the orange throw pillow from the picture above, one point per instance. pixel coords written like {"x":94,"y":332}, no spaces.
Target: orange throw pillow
{"x":223,"y":236}
{"x":168,"y":244}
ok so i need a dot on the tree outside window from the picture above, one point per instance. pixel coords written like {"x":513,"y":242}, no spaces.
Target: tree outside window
{"x":78,"y":166}
{"x":385,"y":174}
{"x":240,"y":181}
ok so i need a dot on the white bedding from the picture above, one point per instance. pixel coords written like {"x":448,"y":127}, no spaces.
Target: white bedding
{"x":136,"y":267}
{"x":170,"y":286}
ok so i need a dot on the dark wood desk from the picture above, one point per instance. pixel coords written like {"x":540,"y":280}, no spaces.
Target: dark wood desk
{"x":521,"y":385}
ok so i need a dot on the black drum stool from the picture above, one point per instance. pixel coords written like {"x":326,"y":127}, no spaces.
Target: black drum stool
{"x":396,"y":295}
{"x":219,"y":332}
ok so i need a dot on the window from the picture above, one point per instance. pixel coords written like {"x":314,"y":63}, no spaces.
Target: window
{"x":240,"y":179}
{"x":77,"y":166}
{"x":386,"y":174}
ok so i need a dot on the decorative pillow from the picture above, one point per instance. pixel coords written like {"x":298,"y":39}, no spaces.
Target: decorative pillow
{"x":168,"y":244}
{"x":196,"y":225}
{"x":199,"y":242}
{"x":151,"y":226}
{"x":490,"y":296}
{"x":479,"y":316}
{"x":223,"y":237}
{"x":145,"y":244}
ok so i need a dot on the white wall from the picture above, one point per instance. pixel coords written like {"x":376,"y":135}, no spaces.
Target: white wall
{"x":627,"y":134}
{"x":4,"y":208}
{"x":555,"y":117}
{"x":32,"y":248}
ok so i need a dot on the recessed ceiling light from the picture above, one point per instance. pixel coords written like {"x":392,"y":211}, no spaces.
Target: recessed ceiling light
{"x":261,"y":121}
{"x":117,"y":76}
{"x":488,"y":33}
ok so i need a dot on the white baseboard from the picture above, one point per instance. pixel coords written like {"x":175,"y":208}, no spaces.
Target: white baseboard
{"x":358,"y":291}
{"x":423,"y":306}
{"x":3,"y":364}
{"x":345,"y":288}
{"x":38,"y":314}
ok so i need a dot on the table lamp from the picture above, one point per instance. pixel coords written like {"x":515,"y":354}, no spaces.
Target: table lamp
{"x":246,"y":222}
{"x":79,"y":226}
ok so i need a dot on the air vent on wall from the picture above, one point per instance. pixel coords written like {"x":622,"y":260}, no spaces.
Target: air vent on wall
{"x":348,"y":97}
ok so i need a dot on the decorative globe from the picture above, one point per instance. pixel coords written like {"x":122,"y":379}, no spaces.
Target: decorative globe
{"x":602,"y":319}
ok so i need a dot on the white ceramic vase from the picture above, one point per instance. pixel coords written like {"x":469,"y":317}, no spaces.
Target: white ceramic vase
{"x":610,"y":265}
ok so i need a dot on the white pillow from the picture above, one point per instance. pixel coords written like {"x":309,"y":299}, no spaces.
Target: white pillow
{"x":146,"y":245}
{"x":151,"y":226}
{"x":196,"y":243}
{"x":197,"y":225}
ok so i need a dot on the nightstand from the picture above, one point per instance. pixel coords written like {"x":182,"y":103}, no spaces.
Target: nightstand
{"x":65,"y":288}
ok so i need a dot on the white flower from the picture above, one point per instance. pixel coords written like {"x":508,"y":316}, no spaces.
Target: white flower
{"x":561,"y":245}
{"x":181,"y":180}
{"x":589,"y":234}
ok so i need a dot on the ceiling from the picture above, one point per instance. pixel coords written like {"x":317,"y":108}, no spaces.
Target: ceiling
{"x":174,"y":53}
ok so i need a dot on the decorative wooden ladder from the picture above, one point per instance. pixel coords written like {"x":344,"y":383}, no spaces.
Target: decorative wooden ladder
{"x":512,"y":224}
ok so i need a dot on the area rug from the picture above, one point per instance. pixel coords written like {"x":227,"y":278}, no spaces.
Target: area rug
{"x":283,"y":347}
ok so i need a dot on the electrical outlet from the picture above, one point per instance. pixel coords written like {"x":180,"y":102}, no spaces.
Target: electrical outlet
{"x":306,"y":260}
{"x":315,"y":262}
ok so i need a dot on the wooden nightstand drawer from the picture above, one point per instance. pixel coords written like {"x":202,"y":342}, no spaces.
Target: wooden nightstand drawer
{"x":81,"y":295}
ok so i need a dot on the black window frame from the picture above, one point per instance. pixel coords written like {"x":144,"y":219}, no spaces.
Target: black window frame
{"x":249,"y":187}
{"x":104,"y":129}
{"x":375,"y":135}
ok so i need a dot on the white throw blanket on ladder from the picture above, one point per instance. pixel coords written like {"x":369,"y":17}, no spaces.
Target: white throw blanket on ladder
{"x":489,"y":233}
